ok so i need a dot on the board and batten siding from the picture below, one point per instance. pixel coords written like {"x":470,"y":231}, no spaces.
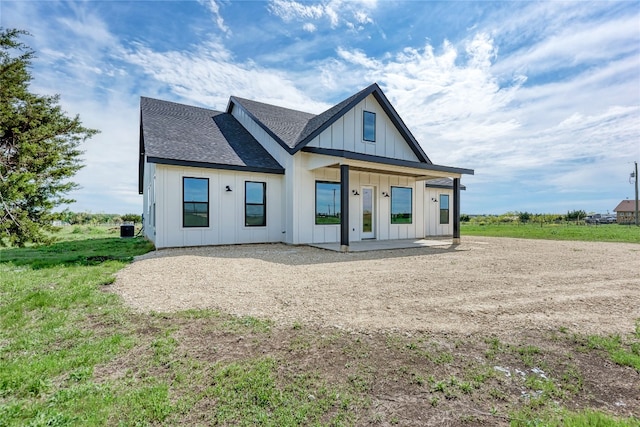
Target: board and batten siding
{"x":346,"y":134}
{"x":288,"y":162}
{"x":226,"y":209}
{"x":432,"y":211}
{"x":148,"y":201}
{"x":309,"y":232}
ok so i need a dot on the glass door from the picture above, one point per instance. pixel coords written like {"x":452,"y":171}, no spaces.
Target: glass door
{"x":368,"y":214}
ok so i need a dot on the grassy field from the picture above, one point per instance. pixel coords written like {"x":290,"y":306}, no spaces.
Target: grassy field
{"x":72,"y":354}
{"x":566,"y":231}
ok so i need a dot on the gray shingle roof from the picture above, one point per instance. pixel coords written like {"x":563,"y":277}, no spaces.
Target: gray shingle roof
{"x":283,"y":123}
{"x":180,"y":134}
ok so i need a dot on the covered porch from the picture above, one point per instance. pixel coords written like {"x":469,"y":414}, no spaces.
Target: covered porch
{"x":348,"y":162}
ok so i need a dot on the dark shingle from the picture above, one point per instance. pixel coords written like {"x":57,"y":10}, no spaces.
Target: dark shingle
{"x":285,"y":123}
{"x":183,"y":133}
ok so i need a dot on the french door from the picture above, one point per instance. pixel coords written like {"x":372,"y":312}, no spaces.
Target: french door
{"x":368,"y":213}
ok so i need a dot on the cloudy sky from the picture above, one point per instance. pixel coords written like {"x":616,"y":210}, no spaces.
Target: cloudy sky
{"x":542,"y":99}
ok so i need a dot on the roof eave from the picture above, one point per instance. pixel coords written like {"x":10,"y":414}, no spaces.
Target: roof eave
{"x":222,"y":166}
{"x":388,"y":161}
{"x":445,"y":187}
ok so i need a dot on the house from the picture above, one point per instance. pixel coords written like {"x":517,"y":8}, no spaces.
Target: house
{"x":626,"y":212}
{"x":259,"y":173}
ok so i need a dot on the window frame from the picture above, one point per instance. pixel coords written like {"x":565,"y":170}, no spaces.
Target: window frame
{"x":395,"y":221}
{"x":184,"y":202}
{"x":263,"y":204}
{"x":315,"y":207}
{"x":446,"y":211}
{"x":364,"y":131}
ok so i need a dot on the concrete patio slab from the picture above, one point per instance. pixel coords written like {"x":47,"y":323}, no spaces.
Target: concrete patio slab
{"x":381,"y":245}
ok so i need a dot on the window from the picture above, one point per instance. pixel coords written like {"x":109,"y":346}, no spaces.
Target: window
{"x":401,"y":205}
{"x":444,"y":209}
{"x":369,"y":126}
{"x":327,"y":203}
{"x":195,"y":202}
{"x":255,"y":204}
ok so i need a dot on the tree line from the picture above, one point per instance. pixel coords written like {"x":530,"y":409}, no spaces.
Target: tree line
{"x":525,"y":217}
{"x":68,"y":217}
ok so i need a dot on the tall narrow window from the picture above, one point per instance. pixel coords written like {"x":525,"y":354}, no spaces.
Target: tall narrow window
{"x":255,"y":204}
{"x":327,"y":203}
{"x":401,"y":205}
{"x":369,"y":126}
{"x":195,"y":202}
{"x":444,"y":209}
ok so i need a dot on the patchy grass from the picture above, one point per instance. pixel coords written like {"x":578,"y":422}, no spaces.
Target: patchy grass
{"x":72,"y":354}
{"x":590,"y":233}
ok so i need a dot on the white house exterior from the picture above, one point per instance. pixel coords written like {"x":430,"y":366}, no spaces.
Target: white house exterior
{"x":261,"y":173}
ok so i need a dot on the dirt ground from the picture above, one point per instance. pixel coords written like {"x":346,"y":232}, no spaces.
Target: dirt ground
{"x":488,"y":285}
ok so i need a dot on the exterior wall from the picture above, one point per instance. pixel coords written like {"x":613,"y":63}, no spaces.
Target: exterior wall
{"x":163,"y":188}
{"x":289,"y":197}
{"x":298,"y":192}
{"x":226,"y":209}
{"x":309,"y":232}
{"x":432,"y":212}
{"x":346,"y":134}
{"x":625,"y":217}
{"x":148,"y":201}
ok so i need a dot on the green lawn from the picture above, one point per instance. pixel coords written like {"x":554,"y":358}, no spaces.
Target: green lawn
{"x":567,"y":231}
{"x":72,"y":354}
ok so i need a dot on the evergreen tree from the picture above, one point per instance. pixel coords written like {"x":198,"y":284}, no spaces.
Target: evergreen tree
{"x":39,"y":148}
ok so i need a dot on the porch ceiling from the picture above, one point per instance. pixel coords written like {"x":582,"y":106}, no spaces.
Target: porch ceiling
{"x":380,"y":168}
{"x":323,"y":158}
{"x":418,"y":174}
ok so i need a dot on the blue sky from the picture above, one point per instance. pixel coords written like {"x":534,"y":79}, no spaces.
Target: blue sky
{"x":542,"y":99}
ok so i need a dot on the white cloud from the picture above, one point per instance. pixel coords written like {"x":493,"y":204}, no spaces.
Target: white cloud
{"x":584,"y":43}
{"x":434,"y":90}
{"x":309,"y":27}
{"x":289,"y":10}
{"x":335,"y":11}
{"x":214,"y":8}
{"x":191,"y":76}
{"x":362,"y":17}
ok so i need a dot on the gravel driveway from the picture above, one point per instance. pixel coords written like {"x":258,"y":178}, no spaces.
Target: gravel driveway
{"x":488,"y":285}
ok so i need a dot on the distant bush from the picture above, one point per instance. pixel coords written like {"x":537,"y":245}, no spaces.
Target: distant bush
{"x":576,"y":215}
{"x":131,"y":218}
{"x":524,"y":217}
{"x":86,"y":218}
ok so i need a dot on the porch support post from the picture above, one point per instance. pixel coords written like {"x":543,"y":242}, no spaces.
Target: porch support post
{"x":344,"y":208}
{"x":456,"y":211}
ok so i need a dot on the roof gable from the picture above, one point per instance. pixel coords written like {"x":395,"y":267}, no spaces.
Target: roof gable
{"x":172,"y":133}
{"x":626,"y":206}
{"x":293,"y":130}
